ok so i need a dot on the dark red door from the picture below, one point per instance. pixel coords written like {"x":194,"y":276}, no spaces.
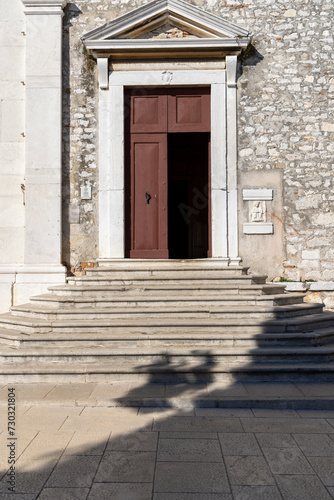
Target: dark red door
{"x":149,"y":196}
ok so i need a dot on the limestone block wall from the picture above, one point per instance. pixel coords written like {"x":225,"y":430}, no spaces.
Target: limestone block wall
{"x":12,"y":92}
{"x":286,"y":131}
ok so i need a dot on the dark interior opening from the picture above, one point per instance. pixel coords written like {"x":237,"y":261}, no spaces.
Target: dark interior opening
{"x":188,"y":203}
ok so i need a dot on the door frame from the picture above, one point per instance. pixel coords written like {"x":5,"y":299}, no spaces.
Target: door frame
{"x":223,"y":178}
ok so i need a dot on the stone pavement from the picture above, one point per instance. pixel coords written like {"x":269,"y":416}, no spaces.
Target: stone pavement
{"x":70,"y":444}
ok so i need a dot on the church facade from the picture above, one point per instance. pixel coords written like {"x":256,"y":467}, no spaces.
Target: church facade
{"x":165,"y":130}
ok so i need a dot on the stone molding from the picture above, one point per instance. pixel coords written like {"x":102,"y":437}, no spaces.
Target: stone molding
{"x":44,"y":7}
{"x":103,"y":72}
{"x":231,"y":71}
{"x":111,"y":169}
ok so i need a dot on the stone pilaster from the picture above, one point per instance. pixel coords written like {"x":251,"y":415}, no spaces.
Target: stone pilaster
{"x":232,"y":181}
{"x":43,"y":83}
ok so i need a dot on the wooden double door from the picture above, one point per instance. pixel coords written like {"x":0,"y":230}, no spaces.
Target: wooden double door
{"x":167,"y":152}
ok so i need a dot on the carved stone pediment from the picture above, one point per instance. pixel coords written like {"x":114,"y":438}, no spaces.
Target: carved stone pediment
{"x":166,"y":27}
{"x":167,"y":31}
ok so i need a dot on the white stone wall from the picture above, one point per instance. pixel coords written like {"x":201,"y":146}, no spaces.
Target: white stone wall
{"x":12,"y":42}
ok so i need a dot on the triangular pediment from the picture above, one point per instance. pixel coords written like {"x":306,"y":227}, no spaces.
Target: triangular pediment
{"x":161,"y":24}
{"x":176,"y":13}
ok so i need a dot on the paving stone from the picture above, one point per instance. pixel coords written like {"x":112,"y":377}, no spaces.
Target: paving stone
{"x":189,"y":450}
{"x":227,"y":389}
{"x":31,"y":476}
{"x":70,"y":392}
{"x":324,"y":467}
{"x":256,"y":493}
{"x":159,"y":413}
{"x":64,"y":494}
{"x":198,"y":424}
{"x":104,"y":392}
{"x":329,"y":414}
{"x":239,"y":444}
{"x":277,"y":440}
{"x":138,"y":441}
{"x":42,"y":418}
{"x":223,"y":412}
{"x":286,"y":425}
{"x":272,"y":390}
{"x":146,"y":391}
{"x":24,"y":439}
{"x":18,"y":496}
{"x":126,"y":467}
{"x":316,"y":390}
{"x":97,"y":411}
{"x":47,"y":445}
{"x":105,"y":423}
{"x":331,"y":491}
{"x":192,"y":496}
{"x":247,"y":470}
{"x":77,"y":471}
{"x":186,"y":390}
{"x":28,"y":392}
{"x":187,"y":435}
{"x":175,"y":477}
{"x":266,"y":413}
{"x":87,"y":443}
{"x":294,"y":487}
{"x":120,"y":491}
{"x":285,"y":460}
{"x":315,"y":445}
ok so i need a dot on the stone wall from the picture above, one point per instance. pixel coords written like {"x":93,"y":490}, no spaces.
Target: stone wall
{"x":286,"y":130}
{"x":12,"y":129}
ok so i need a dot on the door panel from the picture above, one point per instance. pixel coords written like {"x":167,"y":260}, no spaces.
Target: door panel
{"x":189,"y":110}
{"x":148,"y":112}
{"x":149,"y":196}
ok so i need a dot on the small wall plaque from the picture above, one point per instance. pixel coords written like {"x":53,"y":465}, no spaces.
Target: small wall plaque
{"x":86,"y":191}
{"x":258,"y":228}
{"x":257,"y":194}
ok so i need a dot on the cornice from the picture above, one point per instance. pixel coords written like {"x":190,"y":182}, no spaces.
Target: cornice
{"x":44,"y":7}
{"x":193,"y":43}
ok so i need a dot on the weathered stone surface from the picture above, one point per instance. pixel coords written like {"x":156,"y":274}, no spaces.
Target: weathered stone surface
{"x":285,"y":92}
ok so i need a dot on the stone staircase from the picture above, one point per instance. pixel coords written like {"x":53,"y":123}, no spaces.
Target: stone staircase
{"x":167,"y":321}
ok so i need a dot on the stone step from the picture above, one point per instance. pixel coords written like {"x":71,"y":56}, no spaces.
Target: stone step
{"x":148,"y":355}
{"x":59,"y":301}
{"x":166,"y":289}
{"x":189,"y":339}
{"x":162,"y":272}
{"x":180,"y":325}
{"x":171,"y":279}
{"x":157,"y":264}
{"x":184,"y":373}
{"x":288,"y":311}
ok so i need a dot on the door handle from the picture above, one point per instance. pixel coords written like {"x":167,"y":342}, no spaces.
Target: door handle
{"x":147,"y":197}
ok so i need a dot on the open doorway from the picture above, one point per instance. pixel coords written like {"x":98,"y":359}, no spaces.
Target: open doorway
{"x":188,"y":202}
{"x":167,"y":156}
